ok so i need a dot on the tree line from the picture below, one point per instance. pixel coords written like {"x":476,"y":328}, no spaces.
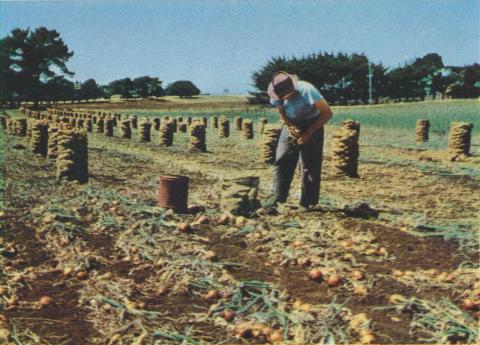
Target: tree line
{"x":343,"y":78}
{"x":34,"y":67}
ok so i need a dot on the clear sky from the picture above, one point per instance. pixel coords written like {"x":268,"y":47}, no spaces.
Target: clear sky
{"x":218,"y":44}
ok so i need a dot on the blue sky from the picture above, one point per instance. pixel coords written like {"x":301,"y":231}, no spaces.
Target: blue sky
{"x":218,"y":44}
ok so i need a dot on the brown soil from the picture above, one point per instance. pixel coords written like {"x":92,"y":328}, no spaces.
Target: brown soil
{"x":295,"y":279}
{"x":132,"y":171}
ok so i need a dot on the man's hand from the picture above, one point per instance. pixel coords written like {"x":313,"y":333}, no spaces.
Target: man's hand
{"x":294,"y":132}
{"x":304,"y":138}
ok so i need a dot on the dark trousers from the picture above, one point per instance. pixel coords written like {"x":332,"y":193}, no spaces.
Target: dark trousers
{"x":311,"y":155}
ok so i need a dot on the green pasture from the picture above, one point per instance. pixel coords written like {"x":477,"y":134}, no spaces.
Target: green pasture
{"x":395,"y":116}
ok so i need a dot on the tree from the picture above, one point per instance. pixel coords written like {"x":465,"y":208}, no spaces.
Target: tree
{"x":123,"y":87}
{"x":148,"y":86}
{"x":58,"y":89}
{"x":90,"y":90}
{"x":32,"y":59}
{"x":341,"y":77}
{"x":182,"y":88}
{"x":463,"y":82}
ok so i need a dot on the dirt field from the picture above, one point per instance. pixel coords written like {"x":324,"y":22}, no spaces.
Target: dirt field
{"x":401,"y":241}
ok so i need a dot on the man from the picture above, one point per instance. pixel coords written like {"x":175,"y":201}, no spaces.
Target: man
{"x":304,"y":112}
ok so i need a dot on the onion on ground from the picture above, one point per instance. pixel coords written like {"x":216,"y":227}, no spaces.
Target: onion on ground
{"x":315,"y":274}
{"x":334,"y":280}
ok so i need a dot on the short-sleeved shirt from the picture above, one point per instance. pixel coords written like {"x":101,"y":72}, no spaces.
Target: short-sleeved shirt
{"x":302,"y":106}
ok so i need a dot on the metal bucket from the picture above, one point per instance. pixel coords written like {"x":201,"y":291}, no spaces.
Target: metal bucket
{"x":173,"y":192}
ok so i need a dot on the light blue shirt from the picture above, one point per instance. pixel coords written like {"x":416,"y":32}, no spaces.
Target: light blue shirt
{"x":302,"y":106}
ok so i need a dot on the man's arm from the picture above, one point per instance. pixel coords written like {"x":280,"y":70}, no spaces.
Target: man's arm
{"x":291,"y":128}
{"x":325,"y":115}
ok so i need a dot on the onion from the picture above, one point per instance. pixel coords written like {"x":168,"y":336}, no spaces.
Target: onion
{"x":382,"y":251}
{"x":358,"y":275}
{"x":303,"y":261}
{"x":433,"y":272}
{"x":12,"y":301}
{"x":450,"y":278}
{"x":223,"y":220}
{"x":368,"y":338}
{"x":82,"y":275}
{"x":67,"y":271}
{"x":347,"y":243}
{"x":228,"y":315}
{"x":396,"y":298}
{"x":334,"y":280}
{"x":297,"y":244}
{"x":468,"y":304}
{"x":45,"y":301}
{"x":360,"y":290}
{"x":212,"y":294}
{"x":315,"y":274}
{"x":365,"y":331}
{"x":358,"y":320}
{"x":240,"y":220}
{"x":398,"y":273}
{"x":162,"y":290}
{"x":5,"y":335}
{"x":297,"y":304}
{"x":134,"y":250}
{"x":107,"y":276}
{"x":316,"y":259}
{"x":306,"y":307}
{"x":262,"y":329}
{"x":184,"y":227}
{"x":276,"y":336}
{"x":244,"y":330}
{"x":203,"y":219}
{"x":211,"y":255}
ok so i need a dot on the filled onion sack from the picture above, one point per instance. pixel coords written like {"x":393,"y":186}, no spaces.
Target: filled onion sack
{"x":100,"y":125}
{"x":125,"y":129}
{"x":421,"y":130}
{"x":145,"y":128}
{"x":72,"y":159}
{"x":459,"y":138}
{"x":247,"y":129}
{"x":166,"y":133}
{"x":39,"y":137}
{"x":239,"y":195}
{"x":197,"y":137}
{"x":345,"y":152}
{"x":224,"y":128}
{"x":269,"y":143}
{"x":52,"y":141}
{"x":108,"y":127}
{"x":238,"y":123}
